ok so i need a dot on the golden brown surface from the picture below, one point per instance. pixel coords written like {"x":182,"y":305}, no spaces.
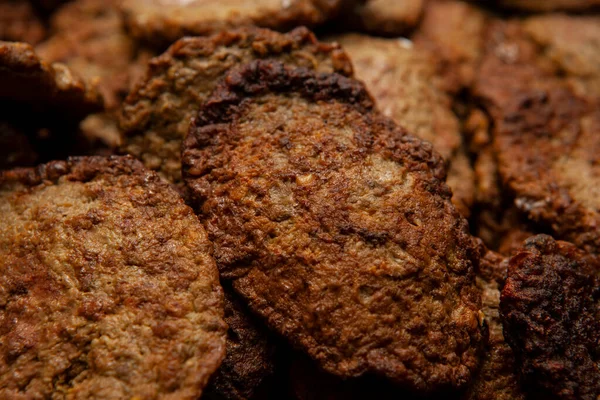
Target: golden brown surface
{"x":336,"y":226}
{"x":26,"y":79}
{"x":405,"y":86}
{"x":157,"y":114}
{"x":551,"y":314}
{"x":20,"y":23}
{"x":382,"y":17}
{"x":546,"y":136}
{"x":107,"y":285}
{"x":163,"y":22}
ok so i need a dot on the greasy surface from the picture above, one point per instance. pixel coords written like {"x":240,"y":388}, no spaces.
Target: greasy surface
{"x":19,"y":22}
{"x":250,"y":355}
{"x":382,"y":17}
{"x":157,"y":114}
{"x":454,"y":32}
{"x":107,"y":285}
{"x":546,"y":136}
{"x":47,"y":88}
{"x":551,"y":314}
{"x":497,"y":378}
{"x":549,"y":5}
{"x":405,"y":86}
{"x":336,"y":226}
{"x":162,"y":22}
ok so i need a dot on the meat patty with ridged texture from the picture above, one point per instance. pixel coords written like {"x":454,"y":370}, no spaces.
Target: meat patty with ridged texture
{"x":336,"y":226}
{"x":108,"y":287}
{"x":157,"y":114}
{"x":407,"y":89}
{"x":551,"y":316}
{"x":162,"y":22}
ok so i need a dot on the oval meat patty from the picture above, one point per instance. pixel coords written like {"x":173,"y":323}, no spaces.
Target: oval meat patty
{"x":551,"y":315}
{"x":336,"y":226}
{"x":157,"y":114}
{"x":162,"y":22}
{"x":107,"y":285}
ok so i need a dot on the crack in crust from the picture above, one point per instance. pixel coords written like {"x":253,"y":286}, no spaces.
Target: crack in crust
{"x":336,"y":226}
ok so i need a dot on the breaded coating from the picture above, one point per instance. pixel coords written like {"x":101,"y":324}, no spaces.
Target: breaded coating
{"x":250,"y":355}
{"x":157,"y":114}
{"x":162,"y":22}
{"x":20,"y":23}
{"x":48,"y":88}
{"x":382,"y":17}
{"x":336,"y":226}
{"x":454,"y":31}
{"x":547,"y":138}
{"x":497,"y":378}
{"x":108,"y":288}
{"x":549,"y":5}
{"x":405,"y":85}
{"x":551,"y":315}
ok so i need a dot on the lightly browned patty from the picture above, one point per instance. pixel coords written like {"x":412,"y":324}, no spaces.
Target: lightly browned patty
{"x":336,"y":226}
{"x":406,"y":87}
{"x":162,"y":22}
{"x":108,"y":288}
{"x":548,"y":5}
{"x":157,"y":114}
{"x":551,"y":315}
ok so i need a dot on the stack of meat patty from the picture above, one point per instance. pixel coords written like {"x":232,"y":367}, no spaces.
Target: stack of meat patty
{"x":300,"y":199}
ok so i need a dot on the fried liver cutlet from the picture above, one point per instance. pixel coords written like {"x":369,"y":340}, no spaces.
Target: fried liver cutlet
{"x":250,"y":355}
{"x":551,"y":315}
{"x":48,"y":88}
{"x":108,"y":288}
{"x":336,"y":226}
{"x":403,"y":82}
{"x":382,"y":17}
{"x":546,"y":136}
{"x":497,"y":378}
{"x":157,"y":114}
{"x":162,"y":22}
{"x":20,"y":23}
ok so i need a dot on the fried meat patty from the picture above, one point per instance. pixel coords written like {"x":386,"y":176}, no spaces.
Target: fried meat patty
{"x":546,"y":134}
{"x":336,"y":226}
{"x":20,"y":23}
{"x":108,"y":288}
{"x":404,"y":83}
{"x":162,"y":22}
{"x":157,"y":114}
{"x":551,"y":315}
{"x":549,"y":5}
{"x":382,"y":17}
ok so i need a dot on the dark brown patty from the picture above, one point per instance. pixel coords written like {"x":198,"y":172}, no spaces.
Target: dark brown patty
{"x":20,"y":23}
{"x":157,"y":114}
{"x":551,"y":315}
{"x":162,"y":23}
{"x":107,"y":287}
{"x":381,"y":17}
{"x":546,"y":135}
{"x":336,"y":226}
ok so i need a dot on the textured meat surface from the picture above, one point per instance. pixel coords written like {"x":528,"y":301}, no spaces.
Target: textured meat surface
{"x":497,"y":377}
{"x":108,"y":288}
{"x":19,"y":22}
{"x":405,"y":86}
{"x":383,"y":17}
{"x":157,"y":114}
{"x":25,"y":78}
{"x":546,"y":136}
{"x":551,"y":315}
{"x":250,"y":355}
{"x":336,"y":226}
{"x":160,"y":21}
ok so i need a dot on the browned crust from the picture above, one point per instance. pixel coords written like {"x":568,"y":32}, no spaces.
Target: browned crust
{"x":155,"y":116}
{"x":108,"y":287}
{"x":551,"y":315}
{"x":25,"y":78}
{"x":261,"y":273}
